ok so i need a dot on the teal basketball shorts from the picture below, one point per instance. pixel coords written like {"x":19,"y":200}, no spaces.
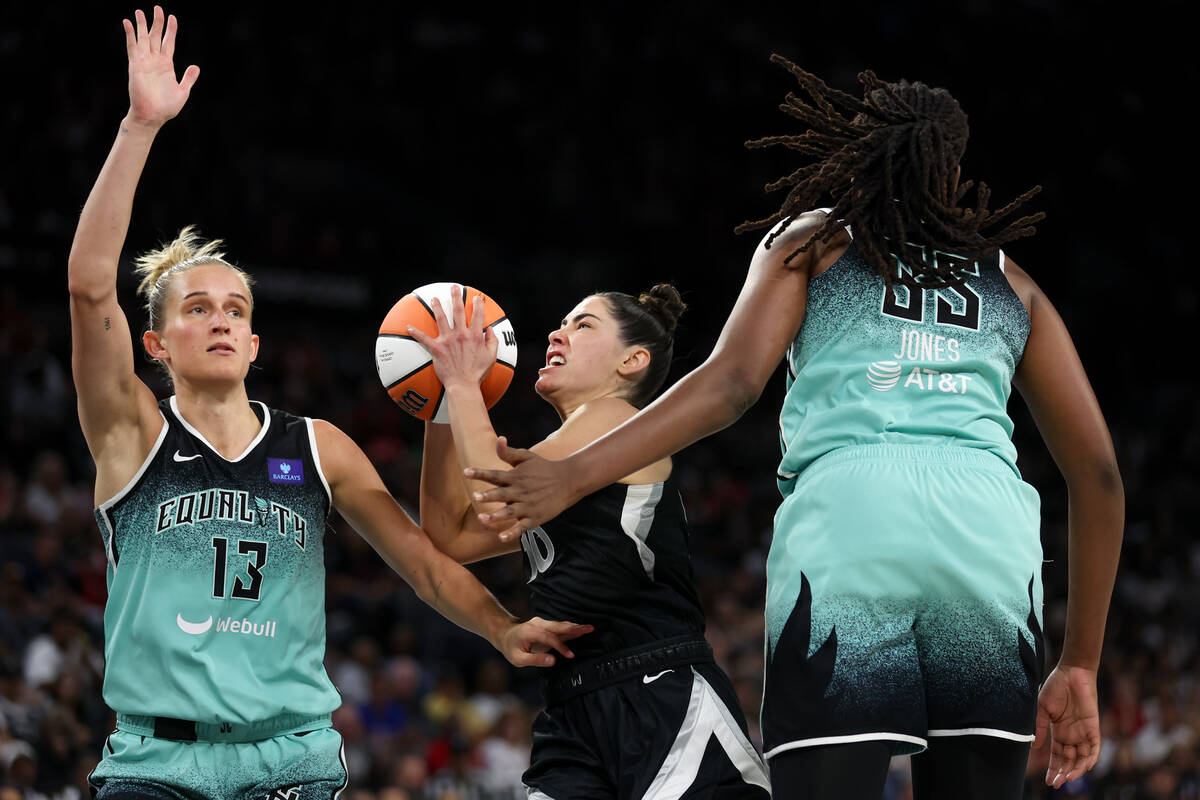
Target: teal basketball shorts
{"x":904,"y":601}
{"x":305,"y":765}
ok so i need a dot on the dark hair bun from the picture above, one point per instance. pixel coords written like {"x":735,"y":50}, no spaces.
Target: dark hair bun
{"x":664,"y":302}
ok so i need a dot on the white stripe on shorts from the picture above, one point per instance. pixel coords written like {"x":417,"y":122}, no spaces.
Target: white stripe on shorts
{"x":856,"y":737}
{"x":994,"y":732}
{"x":706,"y":717}
{"x":536,"y":794}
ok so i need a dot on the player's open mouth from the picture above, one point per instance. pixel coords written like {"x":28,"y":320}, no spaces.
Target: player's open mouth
{"x":222,"y":348}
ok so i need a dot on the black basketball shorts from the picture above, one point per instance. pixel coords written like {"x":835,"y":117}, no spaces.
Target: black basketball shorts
{"x":664,"y":734}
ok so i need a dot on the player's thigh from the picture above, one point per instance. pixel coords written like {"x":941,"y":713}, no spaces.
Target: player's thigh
{"x":978,"y":633}
{"x":842,"y":594}
{"x":854,"y":771}
{"x":979,"y":767}
{"x":564,"y":760}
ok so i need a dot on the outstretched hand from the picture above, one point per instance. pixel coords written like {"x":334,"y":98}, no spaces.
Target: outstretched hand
{"x":154,"y":94}
{"x":533,"y":491}
{"x":462,"y":352}
{"x":528,"y":644}
{"x":1069,"y":717}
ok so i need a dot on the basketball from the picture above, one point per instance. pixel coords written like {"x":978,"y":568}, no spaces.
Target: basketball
{"x":405,"y":367}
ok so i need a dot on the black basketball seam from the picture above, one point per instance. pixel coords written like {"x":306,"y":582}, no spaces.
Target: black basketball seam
{"x":513,"y":366}
{"x":426,"y":305}
{"x":399,"y":381}
{"x":397,"y":336}
{"x":497,"y":322}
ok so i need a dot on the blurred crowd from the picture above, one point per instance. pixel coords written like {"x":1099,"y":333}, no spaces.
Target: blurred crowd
{"x":564,"y":181}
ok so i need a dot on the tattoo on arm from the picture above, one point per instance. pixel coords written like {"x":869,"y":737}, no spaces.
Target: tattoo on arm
{"x":107,"y":323}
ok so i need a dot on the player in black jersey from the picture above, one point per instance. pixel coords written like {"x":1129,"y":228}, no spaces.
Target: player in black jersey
{"x":643,"y":711}
{"x":889,"y":160}
{"x":213,"y":510}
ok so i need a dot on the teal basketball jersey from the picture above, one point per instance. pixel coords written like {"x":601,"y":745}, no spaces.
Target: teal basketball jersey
{"x":216,"y":579}
{"x":873,"y":365}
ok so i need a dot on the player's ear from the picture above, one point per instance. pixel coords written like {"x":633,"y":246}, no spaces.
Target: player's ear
{"x":636,"y":360}
{"x":253,"y":346}
{"x":153,"y":343}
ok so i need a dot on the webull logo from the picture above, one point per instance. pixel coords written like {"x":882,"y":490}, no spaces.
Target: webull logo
{"x":242,"y":627}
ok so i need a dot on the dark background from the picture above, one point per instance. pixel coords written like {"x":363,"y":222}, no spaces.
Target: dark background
{"x":347,"y":154}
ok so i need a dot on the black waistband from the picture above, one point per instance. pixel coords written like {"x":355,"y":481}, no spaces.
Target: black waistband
{"x":573,"y":679}
{"x":182,"y":730}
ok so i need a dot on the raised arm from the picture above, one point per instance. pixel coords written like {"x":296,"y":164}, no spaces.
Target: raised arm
{"x":360,"y":496}
{"x":764,"y":321}
{"x":115,"y":408}
{"x":1053,"y":383}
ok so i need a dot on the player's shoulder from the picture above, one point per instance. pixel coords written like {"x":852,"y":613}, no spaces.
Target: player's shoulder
{"x":585,"y":425}
{"x":787,"y":236}
{"x":1023,"y":286}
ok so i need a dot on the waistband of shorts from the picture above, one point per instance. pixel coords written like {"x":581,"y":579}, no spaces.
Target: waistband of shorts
{"x":185,"y":730}
{"x":955,"y":455}
{"x":575,"y":679}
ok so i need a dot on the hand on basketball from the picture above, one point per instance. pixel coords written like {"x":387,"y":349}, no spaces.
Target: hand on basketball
{"x":534,"y":491}
{"x":1069,"y":717}
{"x":154,"y":94}
{"x":463,"y":352}
{"x":528,"y":644}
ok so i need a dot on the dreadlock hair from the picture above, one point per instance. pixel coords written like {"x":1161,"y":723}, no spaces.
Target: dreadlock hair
{"x":889,"y":161}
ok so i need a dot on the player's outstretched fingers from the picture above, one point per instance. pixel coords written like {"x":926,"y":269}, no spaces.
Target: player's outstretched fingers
{"x":439,"y":317}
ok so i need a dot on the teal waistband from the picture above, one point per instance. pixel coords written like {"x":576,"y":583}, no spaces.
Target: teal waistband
{"x":229,"y":732}
{"x":957,"y":455}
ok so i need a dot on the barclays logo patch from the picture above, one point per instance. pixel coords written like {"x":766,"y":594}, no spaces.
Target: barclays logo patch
{"x":285,"y":470}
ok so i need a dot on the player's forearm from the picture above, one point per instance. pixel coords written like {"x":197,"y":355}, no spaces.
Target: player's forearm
{"x":709,"y":399}
{"x":1096,"y":519}
{"x":444,"y":501}
{"x":474,"y":436}
{"x":451,"y":590}
{"x":104,"y":221}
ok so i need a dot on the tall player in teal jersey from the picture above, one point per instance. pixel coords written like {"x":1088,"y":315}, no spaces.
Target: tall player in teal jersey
{"x":213,"y":512}
{"x":903,"y":583}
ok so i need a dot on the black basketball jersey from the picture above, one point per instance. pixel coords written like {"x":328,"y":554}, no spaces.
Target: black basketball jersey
{"x":216,"y":578}
{"x":618,"y":560}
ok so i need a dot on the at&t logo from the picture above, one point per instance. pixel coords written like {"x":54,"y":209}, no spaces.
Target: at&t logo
{"x":883,"y":375}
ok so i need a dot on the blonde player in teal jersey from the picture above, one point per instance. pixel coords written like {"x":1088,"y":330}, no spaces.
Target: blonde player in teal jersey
{"x":213,"y":512}
{"x":903,"y":587}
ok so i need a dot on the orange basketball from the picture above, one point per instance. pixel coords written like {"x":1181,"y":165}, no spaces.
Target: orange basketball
{"x":405,"y":367}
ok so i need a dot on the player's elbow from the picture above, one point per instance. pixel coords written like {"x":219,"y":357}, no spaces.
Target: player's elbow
{"x":88,"y":292}
{"x":734,"y":390}
{"x":1099,"y":476}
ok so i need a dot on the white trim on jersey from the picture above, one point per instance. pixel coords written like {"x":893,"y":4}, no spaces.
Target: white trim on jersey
{"x":857,"y":737}
{"x":104,"y":507}
{"x":312,"y":445}
{"x":993,"y":732}
{"x":1002,"y":263}
{"x":706,"y":717}
{"x":536,"y":794}
{"x":638,"y":515}
{"x":188,"y":427}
